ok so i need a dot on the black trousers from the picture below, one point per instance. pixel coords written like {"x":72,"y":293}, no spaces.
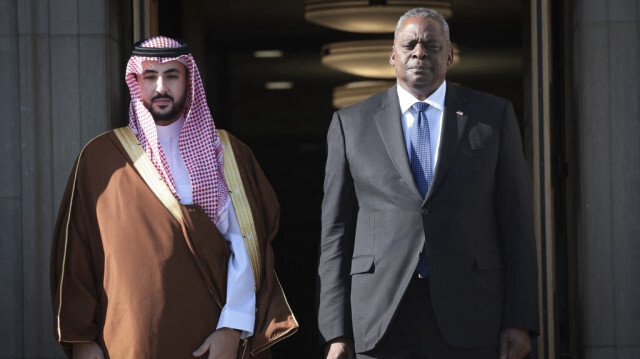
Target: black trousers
{"x":414,"y":334}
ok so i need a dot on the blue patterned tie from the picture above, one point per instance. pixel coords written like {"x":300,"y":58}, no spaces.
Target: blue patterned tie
{"x":421,"y":165}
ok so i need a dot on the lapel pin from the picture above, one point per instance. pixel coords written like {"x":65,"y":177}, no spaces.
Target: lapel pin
{"x":459,"y":113}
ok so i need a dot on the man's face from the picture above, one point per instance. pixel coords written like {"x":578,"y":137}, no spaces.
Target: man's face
{"x":163,"y":88}
{"x":421,"y":56}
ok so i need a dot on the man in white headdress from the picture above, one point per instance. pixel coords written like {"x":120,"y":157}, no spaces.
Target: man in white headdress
{"x":162,"y":243}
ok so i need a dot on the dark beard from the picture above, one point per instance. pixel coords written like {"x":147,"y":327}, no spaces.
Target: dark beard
{"x":176,"y":109}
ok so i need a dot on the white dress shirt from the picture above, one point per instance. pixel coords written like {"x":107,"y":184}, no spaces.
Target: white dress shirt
{"x":239,"y":310}
{"x":435,"y":113}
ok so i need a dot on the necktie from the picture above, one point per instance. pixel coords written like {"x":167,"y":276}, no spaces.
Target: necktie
{"x":421,"y":165}
{"x":421,"y":149}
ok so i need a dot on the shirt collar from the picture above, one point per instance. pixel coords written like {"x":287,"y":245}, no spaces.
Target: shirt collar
{"x":435,"y":100}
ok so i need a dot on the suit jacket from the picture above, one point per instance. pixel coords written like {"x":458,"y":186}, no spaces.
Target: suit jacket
{"x":476,"y":219}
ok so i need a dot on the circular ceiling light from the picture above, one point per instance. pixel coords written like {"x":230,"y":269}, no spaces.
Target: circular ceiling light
{"x":366,"y":58}
{"x":367,"y":16}
{"x":355,"y":92}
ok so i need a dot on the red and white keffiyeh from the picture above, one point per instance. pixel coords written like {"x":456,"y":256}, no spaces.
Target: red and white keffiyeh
{"x":199,"y":143}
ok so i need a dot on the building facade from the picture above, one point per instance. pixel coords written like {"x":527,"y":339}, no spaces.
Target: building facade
{"x":61,"y":84}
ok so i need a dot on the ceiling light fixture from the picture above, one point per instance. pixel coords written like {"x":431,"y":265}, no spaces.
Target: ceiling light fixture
{"x":367,"y":16}
{"x":278,"y":85}
{"x":355,"y":92}
{"x":267,"y":54}
{"x":366,"y":58}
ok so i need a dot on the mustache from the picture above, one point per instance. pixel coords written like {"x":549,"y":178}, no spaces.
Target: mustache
{"x":415,"y":65}
{"x":159,"y":96}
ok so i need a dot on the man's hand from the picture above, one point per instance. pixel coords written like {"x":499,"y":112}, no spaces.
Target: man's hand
{"x":515,"y":343}
{"x":339,"y":348}
{"x":87,"y":351}
{"x":221,"y":344}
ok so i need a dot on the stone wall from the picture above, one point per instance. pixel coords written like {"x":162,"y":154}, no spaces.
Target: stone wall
{"x":607,"y":107}
{"x":60,"y":85}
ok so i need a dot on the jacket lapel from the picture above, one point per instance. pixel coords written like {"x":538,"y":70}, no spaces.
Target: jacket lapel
{"x":453,"y":126}
{"x":388,"y":120}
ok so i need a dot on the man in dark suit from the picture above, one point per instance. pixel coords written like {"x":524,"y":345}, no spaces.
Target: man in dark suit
{"x":427,"y":247}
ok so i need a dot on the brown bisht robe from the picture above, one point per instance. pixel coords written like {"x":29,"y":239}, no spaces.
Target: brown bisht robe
{"x":126,"y":274}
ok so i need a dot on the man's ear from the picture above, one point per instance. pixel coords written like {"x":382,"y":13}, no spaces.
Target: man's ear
{"x":450,"y":56}
{"x":392,"y":57}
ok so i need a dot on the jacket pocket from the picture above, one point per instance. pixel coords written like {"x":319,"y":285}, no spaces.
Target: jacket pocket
{"x":486,"y":261}
{"x":481,"y":136}
{"x":363,"y":264}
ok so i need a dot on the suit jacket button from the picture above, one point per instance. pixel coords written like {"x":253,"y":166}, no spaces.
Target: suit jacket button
{"x":425,"y":211}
